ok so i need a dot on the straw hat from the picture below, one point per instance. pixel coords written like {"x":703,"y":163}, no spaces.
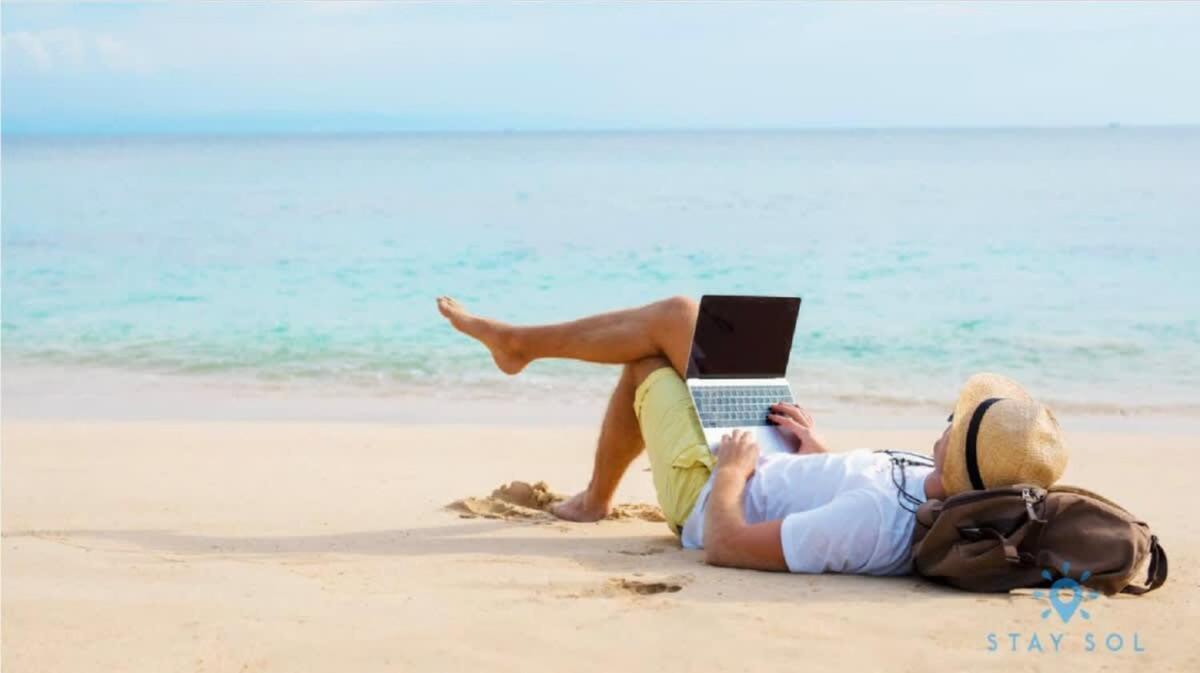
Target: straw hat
{"x":1016,"y":440}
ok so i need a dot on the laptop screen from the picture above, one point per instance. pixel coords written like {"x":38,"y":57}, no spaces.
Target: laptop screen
{"x":743,"y":337}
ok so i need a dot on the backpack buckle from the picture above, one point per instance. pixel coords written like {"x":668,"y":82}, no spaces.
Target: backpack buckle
{"x":1030,"y":498}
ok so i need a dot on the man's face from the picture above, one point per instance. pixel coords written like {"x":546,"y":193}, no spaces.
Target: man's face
{"x":939,"y":449}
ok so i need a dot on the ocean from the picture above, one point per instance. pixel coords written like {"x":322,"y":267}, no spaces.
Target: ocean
{"x":1068,"y":259}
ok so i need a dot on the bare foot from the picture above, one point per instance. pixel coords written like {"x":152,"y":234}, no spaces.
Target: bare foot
{"x":491,"y":333}
{"x":580,"y":508}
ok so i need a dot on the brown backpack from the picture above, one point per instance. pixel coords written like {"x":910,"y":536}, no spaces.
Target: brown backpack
{"x":1022,"y":536}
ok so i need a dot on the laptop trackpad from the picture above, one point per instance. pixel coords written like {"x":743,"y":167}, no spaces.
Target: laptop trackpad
{"x":770,"y":439}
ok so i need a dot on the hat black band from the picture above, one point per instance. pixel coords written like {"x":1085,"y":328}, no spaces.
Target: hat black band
{"x":972,"y":435}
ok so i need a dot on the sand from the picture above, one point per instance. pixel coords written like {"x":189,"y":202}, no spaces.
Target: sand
{"x":322,"y":546}
{"x":533,"y":502}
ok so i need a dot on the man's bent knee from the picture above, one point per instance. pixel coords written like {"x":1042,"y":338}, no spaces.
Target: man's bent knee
{"x":682,"y":309}
{"x":676,"y":323}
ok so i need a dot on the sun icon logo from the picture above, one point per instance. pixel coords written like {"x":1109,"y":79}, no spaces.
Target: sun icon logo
{"x":1066,"y":608}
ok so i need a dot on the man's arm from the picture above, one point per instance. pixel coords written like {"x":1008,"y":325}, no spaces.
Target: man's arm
{"x":728,"y":539}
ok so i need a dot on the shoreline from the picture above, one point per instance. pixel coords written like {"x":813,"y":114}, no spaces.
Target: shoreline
{"x":54,"y":393}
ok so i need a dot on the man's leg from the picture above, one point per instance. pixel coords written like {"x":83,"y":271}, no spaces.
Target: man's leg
{"x":663,"y":328}
{"x":620,"y":442}
{"x":644,"y":339}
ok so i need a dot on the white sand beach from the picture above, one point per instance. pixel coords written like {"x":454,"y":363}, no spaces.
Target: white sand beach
{"x":325,"y":546}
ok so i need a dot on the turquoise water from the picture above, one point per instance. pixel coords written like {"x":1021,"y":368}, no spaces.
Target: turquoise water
{"x":1069,"y":259}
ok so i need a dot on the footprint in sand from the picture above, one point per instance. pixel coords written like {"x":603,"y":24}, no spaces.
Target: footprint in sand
{"x":621,"y":584}
{"x":520,"y":500}
{"x":624,"y":586}
{"x":647,"y":551}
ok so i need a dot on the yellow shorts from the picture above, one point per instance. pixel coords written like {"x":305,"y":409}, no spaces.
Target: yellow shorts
{"x":679,"y":457}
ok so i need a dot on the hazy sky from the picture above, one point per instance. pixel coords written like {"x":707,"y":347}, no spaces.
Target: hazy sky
{"x":235,"y":66}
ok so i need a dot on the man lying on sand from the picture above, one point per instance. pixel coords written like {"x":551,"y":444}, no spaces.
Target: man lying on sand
{"x":808,"y":511}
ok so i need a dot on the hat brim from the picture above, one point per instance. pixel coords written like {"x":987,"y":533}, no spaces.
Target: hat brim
{"x":977,"y":389}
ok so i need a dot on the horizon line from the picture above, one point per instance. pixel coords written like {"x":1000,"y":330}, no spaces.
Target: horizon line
{"x":85,"y":133}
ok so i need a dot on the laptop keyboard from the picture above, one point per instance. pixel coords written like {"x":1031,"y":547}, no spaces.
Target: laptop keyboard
{"x":730,"y":406}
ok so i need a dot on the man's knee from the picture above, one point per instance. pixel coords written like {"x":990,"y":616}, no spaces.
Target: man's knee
{"x":682,"y":310}
{"x":641,"y":369}
{"x":673,"y":333}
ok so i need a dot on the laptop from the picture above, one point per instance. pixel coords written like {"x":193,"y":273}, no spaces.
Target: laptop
{"x":740,"y":351}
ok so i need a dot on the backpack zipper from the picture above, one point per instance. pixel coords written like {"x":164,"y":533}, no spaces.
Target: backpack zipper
{"x":973,"y":496}
{"x":1030,"y":498}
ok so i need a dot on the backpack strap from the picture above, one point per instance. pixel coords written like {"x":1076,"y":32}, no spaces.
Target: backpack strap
{"x":1011,"y":553}
{"x":1157,"y":573}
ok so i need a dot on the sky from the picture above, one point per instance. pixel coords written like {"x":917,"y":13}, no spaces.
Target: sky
{"x":232,"y":67}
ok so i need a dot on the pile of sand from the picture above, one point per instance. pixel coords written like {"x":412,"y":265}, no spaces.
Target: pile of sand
{"x":522,"y":500}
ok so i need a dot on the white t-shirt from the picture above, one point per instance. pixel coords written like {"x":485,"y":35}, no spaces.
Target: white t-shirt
{"x":841,"y":511}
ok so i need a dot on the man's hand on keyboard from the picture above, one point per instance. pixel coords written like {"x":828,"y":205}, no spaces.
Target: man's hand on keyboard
{"x":797,"y":424}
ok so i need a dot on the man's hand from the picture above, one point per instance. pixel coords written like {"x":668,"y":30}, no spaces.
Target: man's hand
{"x":797,"y":423}
{"x":737,"y":454}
